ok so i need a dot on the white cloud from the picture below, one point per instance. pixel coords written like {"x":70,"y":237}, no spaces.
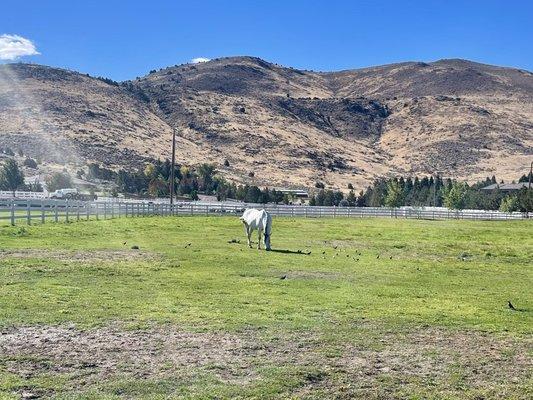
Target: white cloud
{"x":15,"y":46}
{"x":200,"y":60}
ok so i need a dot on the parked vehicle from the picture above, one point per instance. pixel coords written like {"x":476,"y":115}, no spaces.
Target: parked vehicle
{"x":71,"y":194}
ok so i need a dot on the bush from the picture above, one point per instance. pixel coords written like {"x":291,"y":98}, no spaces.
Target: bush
{"x":58,"y":180}
{"x":30,"y":163}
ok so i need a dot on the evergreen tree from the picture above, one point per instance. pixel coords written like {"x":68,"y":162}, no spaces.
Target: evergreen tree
{"x":351,"y":199}
{"x":455,"y":196}
{"x":11,"y":177}
{"x":395,"y":195}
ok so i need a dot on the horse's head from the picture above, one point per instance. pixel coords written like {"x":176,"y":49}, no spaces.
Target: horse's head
{"x":267,"y":241}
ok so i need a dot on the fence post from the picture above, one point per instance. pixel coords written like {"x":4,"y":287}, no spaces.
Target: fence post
{"x":88,"y":210}
{"x":42,"y":211}
{"x":28,"y":211}
{"x":56,"y":216}
{"x":67,"y":210}
{"x":78,"y":210}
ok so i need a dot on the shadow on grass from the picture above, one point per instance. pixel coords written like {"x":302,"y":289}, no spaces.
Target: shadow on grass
{"x":290,"y":252}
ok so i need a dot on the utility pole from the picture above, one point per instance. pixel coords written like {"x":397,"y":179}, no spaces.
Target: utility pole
{"x":172,"y":183}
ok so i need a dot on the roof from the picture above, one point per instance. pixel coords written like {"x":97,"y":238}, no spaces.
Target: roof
{"x":506,"y":186}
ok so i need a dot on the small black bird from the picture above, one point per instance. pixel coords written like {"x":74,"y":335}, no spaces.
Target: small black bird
{"x":323,"y":252}
{"x":309,"y":253}
{"x":377,"y":256}
{"x":188,"y":244}
{"x":390,"y":258}
{"x":124,"y":244}
{"x":335,"y":247}
{"x":511,"y":305}
{"x":283,"y":277}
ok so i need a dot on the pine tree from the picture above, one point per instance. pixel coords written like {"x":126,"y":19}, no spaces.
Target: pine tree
{"x":395,"y":195}
{"x":455,"y":197}
{"x":11,"y":177}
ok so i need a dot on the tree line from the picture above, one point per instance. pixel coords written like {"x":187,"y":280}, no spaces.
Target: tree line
{"x":155,"y":178}
{"x":429,"y":191}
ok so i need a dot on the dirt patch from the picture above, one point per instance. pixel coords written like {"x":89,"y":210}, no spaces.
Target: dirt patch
{"x":427,"y":358}
{"x":104,"y":352}
{"x":473,"y":359}
{"x":81,"y":255}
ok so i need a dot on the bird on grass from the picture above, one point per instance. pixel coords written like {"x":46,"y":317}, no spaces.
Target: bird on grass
{"x":188,"y":244}
{"x":323,"y":252}
{"x":377,"y":256}
{"x":283,"y":277}
{"x":124,"y":244}
{"x":511,"y":305}
{"x":390,"y":258}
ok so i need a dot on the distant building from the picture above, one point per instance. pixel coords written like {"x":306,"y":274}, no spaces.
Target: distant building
{"x":299,"y":193}
{"x":507,"y":187}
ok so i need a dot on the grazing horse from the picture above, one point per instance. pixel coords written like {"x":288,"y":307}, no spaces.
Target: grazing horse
{"x":257,"y":219}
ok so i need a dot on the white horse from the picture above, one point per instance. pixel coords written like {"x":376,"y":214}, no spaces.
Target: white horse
{"x":257,"y":219}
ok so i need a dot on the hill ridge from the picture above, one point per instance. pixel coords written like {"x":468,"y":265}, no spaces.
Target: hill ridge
{"x":291,"y":127}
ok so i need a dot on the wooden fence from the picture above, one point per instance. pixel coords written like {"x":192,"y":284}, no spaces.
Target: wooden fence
{"x":29,"y":211}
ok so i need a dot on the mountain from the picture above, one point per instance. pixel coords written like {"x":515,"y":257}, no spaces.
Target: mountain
{"x":290,"y":127}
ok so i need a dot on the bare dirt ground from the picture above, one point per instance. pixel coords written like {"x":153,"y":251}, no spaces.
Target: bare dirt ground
{"x":431,"y":356}
{"x":81,"y":255}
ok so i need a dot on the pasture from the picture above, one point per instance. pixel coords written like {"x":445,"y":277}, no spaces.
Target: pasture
{"x":380,"y":308}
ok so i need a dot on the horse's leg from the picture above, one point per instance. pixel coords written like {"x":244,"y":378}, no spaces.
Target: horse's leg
{"x":249,"y":235}
{"x":246,"y":232}
{"x":259,"y":239}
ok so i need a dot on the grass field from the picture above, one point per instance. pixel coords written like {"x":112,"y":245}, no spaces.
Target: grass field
{"x":380,"y":308}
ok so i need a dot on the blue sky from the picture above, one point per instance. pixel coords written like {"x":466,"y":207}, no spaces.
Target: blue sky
{"x":125,"y":39}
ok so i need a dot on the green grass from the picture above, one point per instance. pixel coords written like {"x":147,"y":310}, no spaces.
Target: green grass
{"x":454,"y":276}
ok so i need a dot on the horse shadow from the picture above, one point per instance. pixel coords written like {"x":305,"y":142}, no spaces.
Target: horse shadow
{"x":286,"y":251}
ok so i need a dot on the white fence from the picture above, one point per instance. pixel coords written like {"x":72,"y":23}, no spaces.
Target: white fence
{"x":31,"y":211}
{"x":22,"y":195}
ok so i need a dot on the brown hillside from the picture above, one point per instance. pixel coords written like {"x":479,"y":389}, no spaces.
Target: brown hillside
{"x":291,"y":127}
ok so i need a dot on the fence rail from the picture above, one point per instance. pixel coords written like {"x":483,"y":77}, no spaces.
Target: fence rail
{"x":13,"y":211}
